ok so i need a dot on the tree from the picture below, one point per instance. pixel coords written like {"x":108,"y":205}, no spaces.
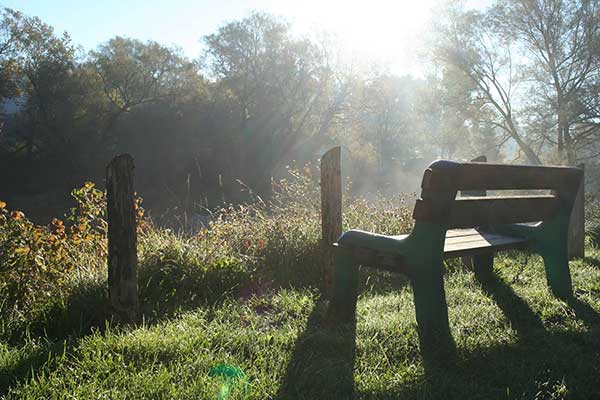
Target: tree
{"x":41,"y":67}
{"x":133,"y":73}
{"x":548,"y":101}
{"x":470,"y":43}
{"x":561,"y":41}
{"x":274,"y":82}
{"x":11,"y":31}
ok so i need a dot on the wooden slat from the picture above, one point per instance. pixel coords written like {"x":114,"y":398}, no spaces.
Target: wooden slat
{"x":502,"y":210}
{"x":472,"y":239}
{"x":461,"y":232}
{"x":475,"y":176}
{"x":479,"y":193}
{"x":481,"y":176}
{"x":472,"y":212}
{"x":468,"y":260}
{"x":484,"y":245}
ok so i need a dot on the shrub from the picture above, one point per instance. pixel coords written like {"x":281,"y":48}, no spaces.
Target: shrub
{"x":178,"y":272}
{"x":246,"y":248}
{"x":36,"y":261}
{"x":39,"y":264}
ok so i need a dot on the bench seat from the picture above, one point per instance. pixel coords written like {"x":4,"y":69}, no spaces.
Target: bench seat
{"x":373,"y":250}
{"x":470,"y":242}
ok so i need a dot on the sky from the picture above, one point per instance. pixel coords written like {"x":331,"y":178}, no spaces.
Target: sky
{"x":387,"y":31}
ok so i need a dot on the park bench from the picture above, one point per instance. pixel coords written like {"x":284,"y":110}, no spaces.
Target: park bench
{"x":447,"y":226}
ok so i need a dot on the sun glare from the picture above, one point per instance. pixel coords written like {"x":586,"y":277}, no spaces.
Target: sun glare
{"x":387,"y":31}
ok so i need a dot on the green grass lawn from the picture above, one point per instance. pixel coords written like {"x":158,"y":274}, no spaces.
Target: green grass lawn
{"x":513,"y":340}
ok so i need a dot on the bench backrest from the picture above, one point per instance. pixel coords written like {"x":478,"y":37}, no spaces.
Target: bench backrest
{"x":443,"y":179}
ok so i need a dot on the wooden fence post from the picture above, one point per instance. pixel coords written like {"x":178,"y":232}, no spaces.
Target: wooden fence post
{"x":122,"y":238}
{"x":331,"y":208}
{"x":468,"y":260}
{"x":577,"y":222}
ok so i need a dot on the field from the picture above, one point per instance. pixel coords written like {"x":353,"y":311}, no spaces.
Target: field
{"x":236,"y":312}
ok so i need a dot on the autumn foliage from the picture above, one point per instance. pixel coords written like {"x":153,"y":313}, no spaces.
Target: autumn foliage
{"x":36,"y":260}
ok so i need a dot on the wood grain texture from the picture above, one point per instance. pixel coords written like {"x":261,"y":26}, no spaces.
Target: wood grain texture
{"x":122,"y":238}
{"x":481,"y":176}
{"x":480,"y":242}
{"x":476,"y":211}
{"x":476,"y":193}
{"x":331,"y":207}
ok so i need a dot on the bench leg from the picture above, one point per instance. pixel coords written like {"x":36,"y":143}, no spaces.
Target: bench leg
{"x":483,"y":267}
{"x":345,"y":287}
{"x":556,"y":264}
{"x":430,"y":306}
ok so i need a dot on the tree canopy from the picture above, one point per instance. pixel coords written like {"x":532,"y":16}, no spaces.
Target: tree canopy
{"x":517,"y":82}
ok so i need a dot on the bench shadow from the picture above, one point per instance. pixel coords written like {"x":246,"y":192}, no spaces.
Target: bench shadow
{"x":521,"y":317}
{"x":593,"y":261}
{"x":322,"y":362}
{"x":539,"y":365}
{"x":584,"y":312}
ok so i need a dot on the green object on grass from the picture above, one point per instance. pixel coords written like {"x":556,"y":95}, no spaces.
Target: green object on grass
{"x":231,"y":376}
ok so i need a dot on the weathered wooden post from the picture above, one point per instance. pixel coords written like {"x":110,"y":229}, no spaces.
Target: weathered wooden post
{"x":468,"y":260}
{"x":577,"y":223}
{"x":122,"y":238}
{"x":331,"y":208}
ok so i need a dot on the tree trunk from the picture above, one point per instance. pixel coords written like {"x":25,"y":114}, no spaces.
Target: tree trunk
{"x":529,"y":153}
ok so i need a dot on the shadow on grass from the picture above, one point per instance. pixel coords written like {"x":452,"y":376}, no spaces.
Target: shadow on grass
{"x":165,"y":292}
{"x":584,"y":312}
{"x":76,"y":316}
{"x":57,"y":328}
{"x":593,"y":261}
{"x":521,"y":317}
{"x":30,"y":363}
{"x":322,"y":362}
{"x":380,"y":282}
{"x":162,"y":294}
{"x":542,"y":364}
{"x":54,"y":332}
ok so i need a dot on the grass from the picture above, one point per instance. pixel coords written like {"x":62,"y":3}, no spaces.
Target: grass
{"x":245,"y":295}
{"x":514,"y":340}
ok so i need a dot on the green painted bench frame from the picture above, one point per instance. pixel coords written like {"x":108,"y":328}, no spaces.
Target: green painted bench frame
{"x":420,"y":255}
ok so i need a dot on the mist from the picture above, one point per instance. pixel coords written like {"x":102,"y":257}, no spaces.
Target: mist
{"x":262,"y":97}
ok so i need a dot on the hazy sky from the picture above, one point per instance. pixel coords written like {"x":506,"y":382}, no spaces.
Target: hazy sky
{"x":386,"y":30}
